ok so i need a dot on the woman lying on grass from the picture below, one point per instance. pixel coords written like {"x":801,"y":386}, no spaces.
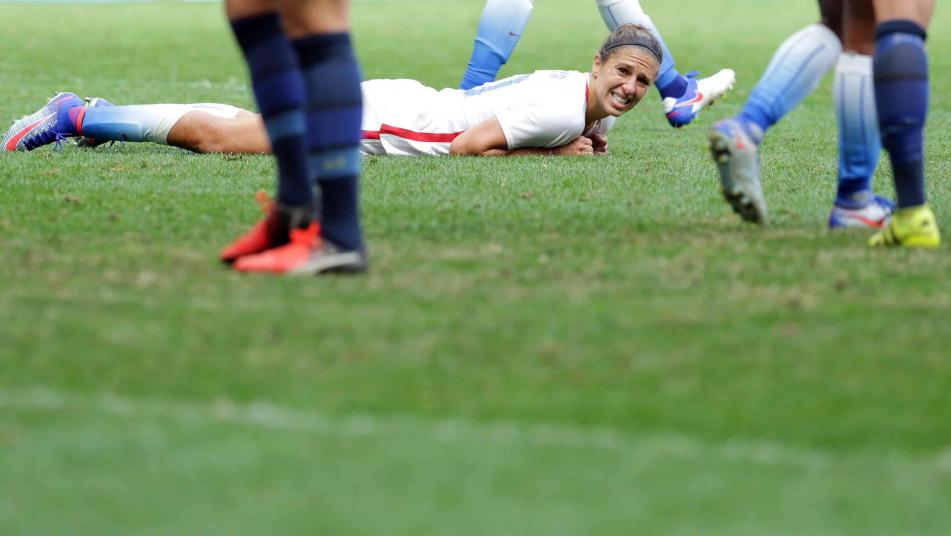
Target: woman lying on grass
{"x":543,"y":113}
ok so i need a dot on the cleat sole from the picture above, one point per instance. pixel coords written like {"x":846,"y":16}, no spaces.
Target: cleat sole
{"x":743,"y":194}
{"x":349,"y":262}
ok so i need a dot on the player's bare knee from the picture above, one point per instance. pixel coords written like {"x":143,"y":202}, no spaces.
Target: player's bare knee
{"x":239,"y":9}
{"x":213,"y":137}
{"x":919,"y":11}
{"x":195,"y":131}
{"x":300,"y":18}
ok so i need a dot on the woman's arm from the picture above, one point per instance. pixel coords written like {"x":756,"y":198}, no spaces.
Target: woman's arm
{"x":487,"y":139}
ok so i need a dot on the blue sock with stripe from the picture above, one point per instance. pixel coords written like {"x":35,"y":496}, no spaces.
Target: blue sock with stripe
{"x":853,"y":95}
{"x":795,"y":70}
{"x":280,"y":93}
{"x":334,"y":115}
{"x":901,"y":95}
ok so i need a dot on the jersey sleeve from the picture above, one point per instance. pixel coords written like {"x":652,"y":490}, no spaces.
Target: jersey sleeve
{"x":540,"y":126}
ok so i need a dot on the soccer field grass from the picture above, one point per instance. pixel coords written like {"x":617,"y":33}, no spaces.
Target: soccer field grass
{"x":542,"y":346}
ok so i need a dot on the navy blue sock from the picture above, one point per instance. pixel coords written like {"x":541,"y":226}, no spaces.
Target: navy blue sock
{"x":674,"y":86}
{"x":334,"y":115}
{"x":280,"y":93}
{"x":901,"y":95}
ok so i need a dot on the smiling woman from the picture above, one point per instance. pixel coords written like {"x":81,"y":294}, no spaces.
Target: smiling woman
{"x":542,"y":113}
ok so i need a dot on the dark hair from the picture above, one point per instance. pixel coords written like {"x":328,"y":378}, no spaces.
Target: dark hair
{"x":633,"y":35}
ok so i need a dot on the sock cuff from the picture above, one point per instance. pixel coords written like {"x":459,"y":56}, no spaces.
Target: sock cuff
{"x":315,"y":48}
{"x":900,"y":26}
{"x":820,"y":33}
{"x":853,"y":63}
{"x":251,"y":30}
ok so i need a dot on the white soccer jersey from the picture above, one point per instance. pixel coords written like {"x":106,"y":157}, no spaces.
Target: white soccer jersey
{"x":542,"y":109}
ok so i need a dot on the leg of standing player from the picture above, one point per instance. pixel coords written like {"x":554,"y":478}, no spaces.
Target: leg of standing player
{"x":500,"y":28}
{"x":901,"y":94}
{"x":305,"y":132}
{"x":334,"y":113}
{"x":795,"y":70}
{"x":853,"y":97}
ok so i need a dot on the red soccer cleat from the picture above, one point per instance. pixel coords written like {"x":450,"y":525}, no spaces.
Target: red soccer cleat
{"x":268,"y":233}
{"x":305,"y":254}
{"x":283,"y":258}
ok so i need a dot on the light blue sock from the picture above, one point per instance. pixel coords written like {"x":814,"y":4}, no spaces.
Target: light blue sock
{"x":794,"y":72}
{"x":500,"y":28}
{"x":859,"y":141}
{"x":617,"y":12}
{"x":146,"y":122}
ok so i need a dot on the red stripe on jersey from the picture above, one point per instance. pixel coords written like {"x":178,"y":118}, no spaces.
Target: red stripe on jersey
{"x":433,"y":137}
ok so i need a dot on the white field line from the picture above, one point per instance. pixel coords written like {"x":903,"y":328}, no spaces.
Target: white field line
{"x":455,"y":430}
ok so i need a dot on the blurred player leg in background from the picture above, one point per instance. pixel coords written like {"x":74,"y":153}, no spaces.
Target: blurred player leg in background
{"x":853,"y":96}
{"x":503,"y":22}
{"x":500,"y":28}
{"x":334,"y":113}
{"x":793,"y":73}
{"x":796,"y":69}
{"x":901,"y":94}
{"x":312,"y":136}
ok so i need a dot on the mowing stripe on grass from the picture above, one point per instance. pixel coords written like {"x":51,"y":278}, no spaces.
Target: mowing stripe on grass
{"x":451,"y":430}
{"x":231,"y":86}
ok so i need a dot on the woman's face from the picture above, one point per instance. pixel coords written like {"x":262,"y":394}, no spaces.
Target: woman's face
{"x":621,"y":81}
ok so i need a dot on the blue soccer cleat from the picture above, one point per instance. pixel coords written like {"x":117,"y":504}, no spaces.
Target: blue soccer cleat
{"x":53,"y":122}
{"x":700,"y":93}
{"x":735,"y":148}
{"x":874,"y":215}
{"x":84,"y":141}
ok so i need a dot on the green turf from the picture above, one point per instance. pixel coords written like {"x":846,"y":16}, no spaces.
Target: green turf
{"x":576,"y":346}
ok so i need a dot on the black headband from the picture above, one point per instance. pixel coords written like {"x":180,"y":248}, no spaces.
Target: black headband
{"x":645,"y":42}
